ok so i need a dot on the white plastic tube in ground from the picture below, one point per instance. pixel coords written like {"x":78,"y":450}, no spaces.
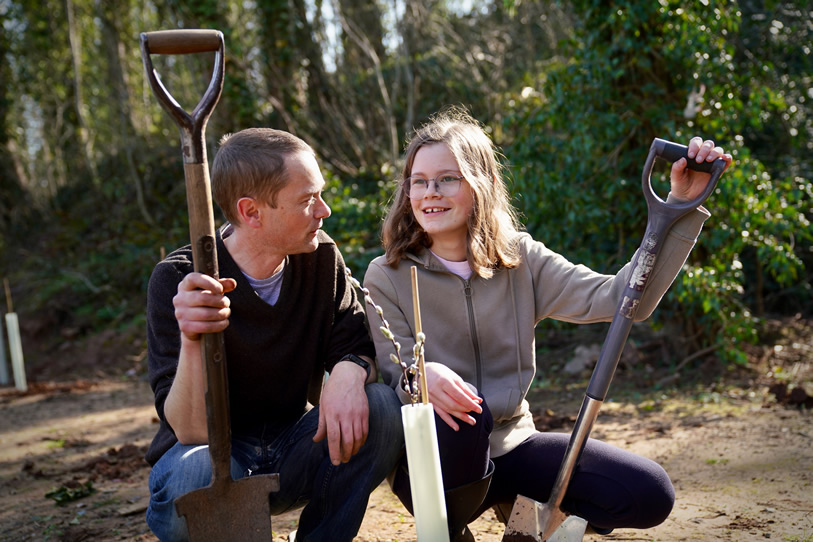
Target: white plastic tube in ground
{"x":425,"y":478}
{"x":15,"y":346}
{"x":4,"y":378}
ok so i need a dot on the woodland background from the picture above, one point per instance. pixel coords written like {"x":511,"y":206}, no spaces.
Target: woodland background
{"x":573,"y":92}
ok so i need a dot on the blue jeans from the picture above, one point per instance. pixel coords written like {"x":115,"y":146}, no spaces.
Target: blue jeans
{"x":335,"y":497}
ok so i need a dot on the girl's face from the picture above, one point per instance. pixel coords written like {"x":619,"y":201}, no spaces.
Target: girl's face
{"x":443,"y":217}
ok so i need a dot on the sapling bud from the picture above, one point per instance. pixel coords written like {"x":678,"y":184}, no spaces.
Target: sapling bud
{"x":385,"y":330}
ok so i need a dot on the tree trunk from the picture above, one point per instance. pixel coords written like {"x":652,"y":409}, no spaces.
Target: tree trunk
{"x":237,"y":106}
{"x":121,"y":106}
{"x":85,"y":139}
{"x":279,"y":61}
{"x":368,"y":45}
{"x":13,"y":197}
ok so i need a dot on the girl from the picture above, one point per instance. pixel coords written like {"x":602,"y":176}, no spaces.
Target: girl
{"x":484,"y":286}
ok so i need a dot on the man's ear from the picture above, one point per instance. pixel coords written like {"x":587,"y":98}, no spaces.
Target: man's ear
{"x":249,"y":212}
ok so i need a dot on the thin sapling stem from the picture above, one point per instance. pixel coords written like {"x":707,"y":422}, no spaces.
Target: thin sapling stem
{"x":409,"y":371}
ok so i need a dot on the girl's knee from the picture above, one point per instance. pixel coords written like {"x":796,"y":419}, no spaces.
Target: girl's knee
{"x":660,"y":498}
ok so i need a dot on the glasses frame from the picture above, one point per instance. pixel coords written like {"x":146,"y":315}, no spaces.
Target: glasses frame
{"x":457,"y":177}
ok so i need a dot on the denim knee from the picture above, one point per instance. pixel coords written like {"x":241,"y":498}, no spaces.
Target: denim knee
{"x":180,"y":470}
{"x":385,"y":428}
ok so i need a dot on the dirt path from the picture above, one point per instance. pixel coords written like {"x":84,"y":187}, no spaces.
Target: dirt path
{"x":743,"y":470}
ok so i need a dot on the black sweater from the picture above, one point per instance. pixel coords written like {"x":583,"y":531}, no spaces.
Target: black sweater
{"x":276,"y":355}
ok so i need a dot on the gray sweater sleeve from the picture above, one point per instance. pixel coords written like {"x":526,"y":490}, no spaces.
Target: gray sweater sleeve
{"x":575,"y":293}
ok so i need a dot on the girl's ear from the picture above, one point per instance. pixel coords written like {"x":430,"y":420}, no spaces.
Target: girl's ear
{"x":249,"y":212}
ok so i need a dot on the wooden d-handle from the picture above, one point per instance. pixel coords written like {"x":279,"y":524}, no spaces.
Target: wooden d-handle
{"x":181,"y":42}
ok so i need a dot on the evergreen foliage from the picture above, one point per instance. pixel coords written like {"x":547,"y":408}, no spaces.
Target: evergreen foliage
{"x":636,"y":71}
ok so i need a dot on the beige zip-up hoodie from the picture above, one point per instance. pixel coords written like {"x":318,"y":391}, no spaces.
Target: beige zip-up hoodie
{"x":483,"y":329}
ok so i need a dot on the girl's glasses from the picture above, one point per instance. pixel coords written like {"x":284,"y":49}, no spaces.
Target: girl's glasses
{"x":446,"y":184}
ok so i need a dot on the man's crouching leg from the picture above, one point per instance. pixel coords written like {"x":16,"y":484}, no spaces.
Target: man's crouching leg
{"x":180,"y":470}
{"x":341,"y":493}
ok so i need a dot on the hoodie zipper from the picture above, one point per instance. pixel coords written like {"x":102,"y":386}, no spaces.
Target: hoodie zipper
{"x":476,"y":343}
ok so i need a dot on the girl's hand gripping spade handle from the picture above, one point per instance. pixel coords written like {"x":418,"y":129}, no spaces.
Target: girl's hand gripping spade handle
{"x":662,"y":217}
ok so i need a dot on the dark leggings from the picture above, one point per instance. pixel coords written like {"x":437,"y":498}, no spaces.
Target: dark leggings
{"x":611,"y":487}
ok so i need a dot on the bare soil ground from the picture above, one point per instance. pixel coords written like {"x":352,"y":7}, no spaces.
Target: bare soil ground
{"x":738,"y":444}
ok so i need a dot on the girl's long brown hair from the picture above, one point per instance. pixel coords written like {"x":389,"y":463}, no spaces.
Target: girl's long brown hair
{"x":492,"y":225}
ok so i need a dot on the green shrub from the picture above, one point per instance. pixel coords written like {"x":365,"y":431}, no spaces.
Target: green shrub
{"x":580,"y":138}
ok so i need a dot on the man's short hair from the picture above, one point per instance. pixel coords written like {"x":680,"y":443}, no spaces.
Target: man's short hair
{"x":251,"y":163}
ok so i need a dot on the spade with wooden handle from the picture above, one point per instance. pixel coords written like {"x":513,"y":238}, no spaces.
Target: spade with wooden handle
{"x":226,"y":509}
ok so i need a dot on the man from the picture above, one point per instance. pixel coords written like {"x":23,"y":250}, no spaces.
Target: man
{"x":288,"y":314}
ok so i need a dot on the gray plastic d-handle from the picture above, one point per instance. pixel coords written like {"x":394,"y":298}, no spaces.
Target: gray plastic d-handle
{"x":672,"y":152}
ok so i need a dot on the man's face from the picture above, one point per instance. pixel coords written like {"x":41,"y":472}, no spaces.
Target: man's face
{"x":300,"y":208}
